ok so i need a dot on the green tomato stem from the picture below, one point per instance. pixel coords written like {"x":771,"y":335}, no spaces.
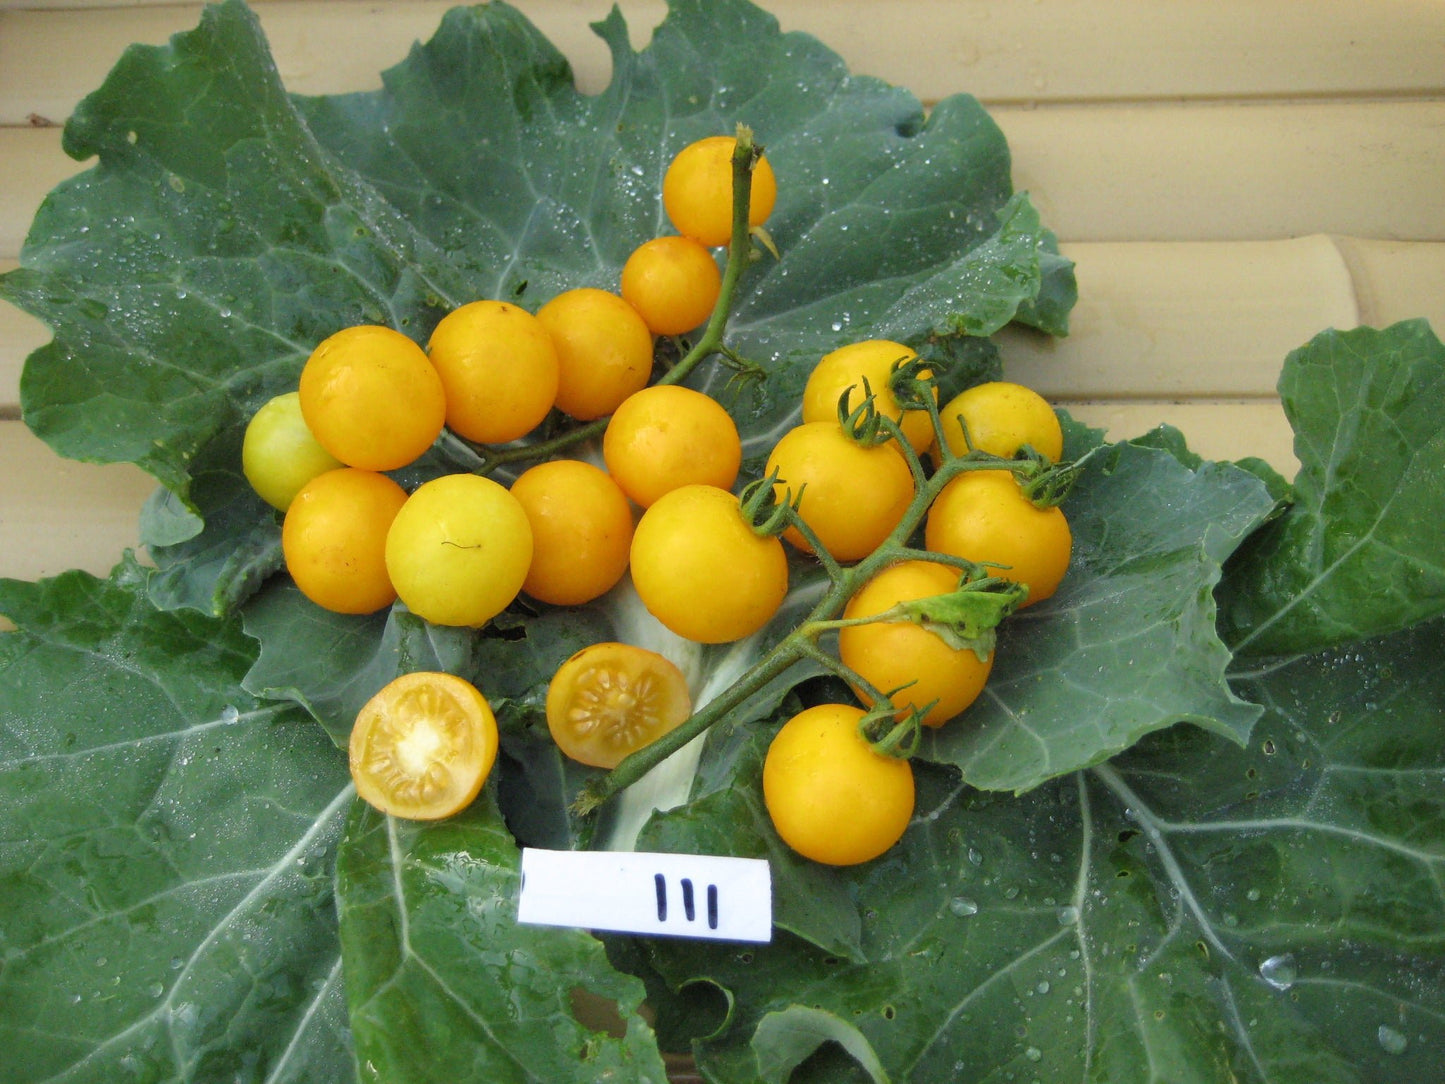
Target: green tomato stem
{"x":740,"y":254}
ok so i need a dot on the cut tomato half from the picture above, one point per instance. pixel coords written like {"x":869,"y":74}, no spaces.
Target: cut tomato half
{"x":423,"y":746}
{"x":611,"y":699}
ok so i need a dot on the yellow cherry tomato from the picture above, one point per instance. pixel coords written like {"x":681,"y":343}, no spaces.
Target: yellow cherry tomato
{"x":459,"y":550}
{"x":611,"y":699}
{"x":1002,"y":418}
{"x":983,"y":516}
{"x":847,"y":368}
{"x":581,"y":531}
{"x":672,"y":282}
{"x":697,"y":190}
{"x":334,"y":539}
{"x":372,"y":398}
{"x":604,"y":351}
{"x":852,"y":495}
{"x":829,"y":795}
{"x":702,"y":571}
{"x":890,"y":654}
{"x":279,"y":454}
{"x":500,"y":369}
{"x":668,"y":436}
{"x":422,"y":747}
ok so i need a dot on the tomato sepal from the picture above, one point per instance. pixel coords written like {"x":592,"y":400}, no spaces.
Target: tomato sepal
{"x":890,"y":735}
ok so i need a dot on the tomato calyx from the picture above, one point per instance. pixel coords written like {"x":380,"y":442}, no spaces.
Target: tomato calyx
{"x":763,"y":512}
{"x":889,"y":735}
{"x":913,"y":384}
{"x":865,"y":424}
{"x":1045,"y":484}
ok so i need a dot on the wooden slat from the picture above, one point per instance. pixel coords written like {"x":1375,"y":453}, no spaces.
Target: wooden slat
{"x":1166,"y":172}
{"x":1396,"y":280}
{"x":1187,"y":320}
{"x":56,"y":514}
{"x":1158,"y":320}
{"x":1064,"y":50}
{"x":1154,"y":319}
{"x":33,"y":165}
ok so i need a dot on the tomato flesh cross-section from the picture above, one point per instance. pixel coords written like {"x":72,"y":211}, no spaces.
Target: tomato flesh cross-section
{"x":611,"y":699}
{"x":423,"y":746}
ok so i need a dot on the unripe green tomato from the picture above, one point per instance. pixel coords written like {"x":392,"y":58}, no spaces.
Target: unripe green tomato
{"x":279,"y":454}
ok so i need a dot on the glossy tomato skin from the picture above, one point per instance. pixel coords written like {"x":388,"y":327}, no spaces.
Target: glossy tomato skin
{"x":279,"y":454}
{"x":847,"y":368}
{"x":697,"y":191}
{"x":1002,"y":417}
{"x":372,"y":398}
{"x":853,"y":495}
{"x":459,"y":550}
{"x":702,"y":571}
{"x":334,"y":539}
{"x":581,"y":531}
{"x":604,"y":351}
{"x":829,"y":795}
{"x":499,"y":367}
{"x":890,"y":654}
{"x":667,"y":436}
{"x":611,"y":699}
{"x":673,"y":282}
{"x":422,"y":747}
{"x":984,"y":516}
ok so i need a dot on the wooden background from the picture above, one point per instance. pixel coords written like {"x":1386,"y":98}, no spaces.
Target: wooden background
{"x":1231,"y":177}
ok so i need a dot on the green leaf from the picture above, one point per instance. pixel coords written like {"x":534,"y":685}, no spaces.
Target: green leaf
{"x":786,"y":1038}
{"x":166,"y":904}
{"x":1127,"y":646}
{"x":1193,"y":911}
{"x":1360,"y":551}
{"x":331,"y":664}
{"x":442,"y":982}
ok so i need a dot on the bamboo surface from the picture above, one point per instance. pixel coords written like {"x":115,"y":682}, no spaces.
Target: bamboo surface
{"x":1230,"y":178}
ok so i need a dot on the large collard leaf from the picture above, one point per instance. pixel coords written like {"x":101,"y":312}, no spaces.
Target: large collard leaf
{"x":1193,"y":911}
{"x":443,"y":983}
{"x":166,"y":901}
{"x":229,"y":227}
{"x":1360,"y":551}
{"x":211,"y":248}
{"x":1128,"y":644}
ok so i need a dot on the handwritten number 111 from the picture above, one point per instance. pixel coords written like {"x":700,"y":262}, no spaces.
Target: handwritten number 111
{"x":689,"y":905}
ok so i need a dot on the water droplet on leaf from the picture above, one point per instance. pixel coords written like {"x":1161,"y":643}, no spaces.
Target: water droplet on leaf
{"x":1391,"y":1041}
{"x":1279,"y":971}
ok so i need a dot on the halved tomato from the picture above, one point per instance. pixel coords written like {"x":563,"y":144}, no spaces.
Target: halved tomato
{"x":611,"y":699}
{"x":423,"y":746}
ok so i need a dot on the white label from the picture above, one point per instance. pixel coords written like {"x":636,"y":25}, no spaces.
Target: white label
{"x":678,"y":895}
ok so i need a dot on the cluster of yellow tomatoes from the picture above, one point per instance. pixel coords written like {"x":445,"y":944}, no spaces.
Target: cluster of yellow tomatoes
{"x":660,"y":506}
